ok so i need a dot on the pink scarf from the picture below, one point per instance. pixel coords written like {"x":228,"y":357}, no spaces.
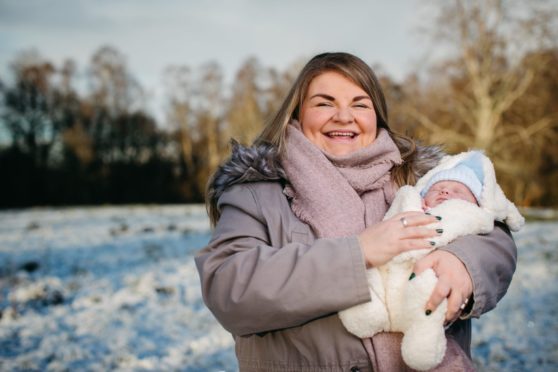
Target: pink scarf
{"x":339,"y":196}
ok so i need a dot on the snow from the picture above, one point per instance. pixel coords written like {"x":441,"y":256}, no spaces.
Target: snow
{"x":522,"y":332}
{"x":116,"y":288}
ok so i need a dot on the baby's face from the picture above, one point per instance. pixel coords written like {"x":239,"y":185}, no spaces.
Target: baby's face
{"x":445,"y":190}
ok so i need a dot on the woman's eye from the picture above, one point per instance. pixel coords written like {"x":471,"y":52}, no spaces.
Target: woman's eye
{"x":362,"y":105}
{"x":321,"y":104}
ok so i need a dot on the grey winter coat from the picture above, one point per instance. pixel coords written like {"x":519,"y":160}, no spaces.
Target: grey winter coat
{"x":277,"y":288}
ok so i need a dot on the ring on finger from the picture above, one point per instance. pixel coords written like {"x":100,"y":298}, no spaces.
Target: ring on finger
{"x":462,"y":307}
{"x":404,"y":222}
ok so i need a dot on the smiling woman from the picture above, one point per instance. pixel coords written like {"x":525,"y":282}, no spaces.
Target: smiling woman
{"x":337,"y":115}
{"x":299,"y":218}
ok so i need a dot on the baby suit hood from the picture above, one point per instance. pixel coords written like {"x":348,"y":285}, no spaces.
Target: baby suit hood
{"x":491,"y":197}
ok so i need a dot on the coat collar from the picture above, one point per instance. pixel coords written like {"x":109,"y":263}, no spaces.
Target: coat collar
{"x":261,"y":163}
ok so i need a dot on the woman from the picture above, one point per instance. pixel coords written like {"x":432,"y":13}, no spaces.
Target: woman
{"x":298,"y":221}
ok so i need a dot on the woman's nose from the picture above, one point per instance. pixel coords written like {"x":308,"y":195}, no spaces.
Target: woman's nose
{"x":344,"y":115}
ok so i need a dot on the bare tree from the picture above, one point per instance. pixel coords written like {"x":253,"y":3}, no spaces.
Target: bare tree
{"x":179,"y":86}
{"x":29,"y":107}
{"x":245,"y":116}
{"x":277,"y":85}
{"x":469,"y":96}
{"x":195,"y":109}
{"x":115,"y":101}
{"x":111,"y":84}
{"x":209,"y":114}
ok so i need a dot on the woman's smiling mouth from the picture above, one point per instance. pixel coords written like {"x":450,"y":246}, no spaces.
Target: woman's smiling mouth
{"x":341,"y":134}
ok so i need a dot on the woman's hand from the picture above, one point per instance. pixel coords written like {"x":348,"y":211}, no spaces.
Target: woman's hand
{"x":454,"y":282}
{"x":403,"y":232}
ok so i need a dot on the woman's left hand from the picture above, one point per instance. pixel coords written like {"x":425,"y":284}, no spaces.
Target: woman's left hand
{"x":454,"y":282}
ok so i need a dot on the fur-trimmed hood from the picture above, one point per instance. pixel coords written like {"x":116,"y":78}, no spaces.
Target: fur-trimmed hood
{"x":261,"y":163}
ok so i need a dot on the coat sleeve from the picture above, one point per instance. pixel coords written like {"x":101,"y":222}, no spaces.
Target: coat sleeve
{"x":490,"y":260}
{"x":252,"y":287}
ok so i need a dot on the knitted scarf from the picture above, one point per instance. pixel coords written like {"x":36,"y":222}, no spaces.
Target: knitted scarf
{"x":339,"y":195}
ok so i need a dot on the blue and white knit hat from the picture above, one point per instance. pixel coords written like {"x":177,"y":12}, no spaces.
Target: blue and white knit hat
{"x":469,"y":172}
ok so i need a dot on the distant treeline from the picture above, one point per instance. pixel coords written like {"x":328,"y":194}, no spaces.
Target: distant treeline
{"x":83,"y":136}
{"x":60,"y":144}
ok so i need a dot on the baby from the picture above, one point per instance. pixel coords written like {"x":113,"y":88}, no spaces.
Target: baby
{"x":460,"y":182}
{"x":463,"y":191}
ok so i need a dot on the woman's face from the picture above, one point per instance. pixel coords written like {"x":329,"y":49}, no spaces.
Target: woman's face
{"x":337,"y":115}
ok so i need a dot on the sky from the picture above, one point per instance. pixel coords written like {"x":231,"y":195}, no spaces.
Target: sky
{"x":153,"y":35}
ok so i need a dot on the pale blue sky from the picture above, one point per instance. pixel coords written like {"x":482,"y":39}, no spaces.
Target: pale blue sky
{"x":155,"y":34}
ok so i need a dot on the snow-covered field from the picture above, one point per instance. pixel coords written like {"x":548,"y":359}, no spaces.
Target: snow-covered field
{"x":115,"y":288}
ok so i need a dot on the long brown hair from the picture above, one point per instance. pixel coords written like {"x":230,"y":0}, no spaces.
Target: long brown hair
{"x":361,"y":74}
{"x":358,"y":72}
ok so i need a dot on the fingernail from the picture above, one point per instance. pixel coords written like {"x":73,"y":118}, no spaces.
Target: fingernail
{"x":412,"y":276}
{"x":427,"y":213}
{"x":428,"y":312}
{"x":439,"y":231}
{"x":438,"y":218}
{"x":432,"y":243}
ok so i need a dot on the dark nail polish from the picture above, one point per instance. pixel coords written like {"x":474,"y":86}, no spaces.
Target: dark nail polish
{"x":439,"y":231}
{"x":427,"y":213}
{"x":412,"y":276}
{"x":428,"y":312}
{"x":438,"y":218}
{"x":432,"y":243}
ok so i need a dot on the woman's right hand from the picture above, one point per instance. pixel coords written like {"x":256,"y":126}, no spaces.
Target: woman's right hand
{"x":385,"y":240}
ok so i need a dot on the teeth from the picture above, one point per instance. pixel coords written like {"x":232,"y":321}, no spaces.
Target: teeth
{"x":341,"y":134}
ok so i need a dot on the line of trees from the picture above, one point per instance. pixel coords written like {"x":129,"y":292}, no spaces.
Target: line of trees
{"x":61,"y":143}
{"x":496,"y":90}
{"x":68,"y":137}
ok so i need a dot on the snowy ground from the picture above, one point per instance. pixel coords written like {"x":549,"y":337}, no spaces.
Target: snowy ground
{"x":115,"y":288}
